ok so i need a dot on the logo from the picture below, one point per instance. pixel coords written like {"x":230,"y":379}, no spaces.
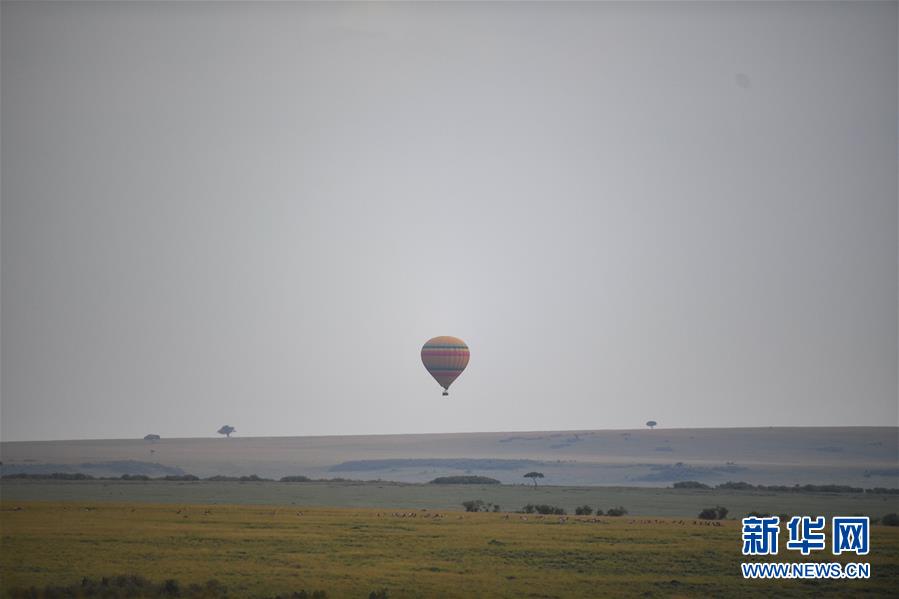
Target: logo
{"x":851,"y":535}
{"x":760,"y":535}
{"x":805,"y":535}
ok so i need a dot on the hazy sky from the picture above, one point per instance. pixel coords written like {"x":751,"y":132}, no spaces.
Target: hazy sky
{"x":256,"y":214}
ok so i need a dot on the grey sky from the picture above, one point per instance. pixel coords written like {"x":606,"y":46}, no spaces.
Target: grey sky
{"x":256,"y":214}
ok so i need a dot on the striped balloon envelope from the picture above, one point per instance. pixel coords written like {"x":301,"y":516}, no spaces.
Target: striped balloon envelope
{"x":445,"y":358}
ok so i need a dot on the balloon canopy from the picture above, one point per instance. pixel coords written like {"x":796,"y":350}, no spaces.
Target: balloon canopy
{"x":445,"y":358}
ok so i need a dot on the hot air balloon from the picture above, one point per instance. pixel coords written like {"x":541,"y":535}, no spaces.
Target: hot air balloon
{"x":445,"y":358}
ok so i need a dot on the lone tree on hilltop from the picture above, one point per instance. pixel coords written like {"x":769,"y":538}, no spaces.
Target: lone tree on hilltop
{"x":652,"y":424}
{"x":227,"y":430}
{"x":534,"y":476}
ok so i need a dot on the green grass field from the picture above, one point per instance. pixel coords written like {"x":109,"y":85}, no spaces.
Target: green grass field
{"x":349,"y":552}
{"x":684,"y":503}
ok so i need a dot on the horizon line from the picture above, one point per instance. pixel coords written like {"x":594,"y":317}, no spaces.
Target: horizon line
{"x":568,"y":431}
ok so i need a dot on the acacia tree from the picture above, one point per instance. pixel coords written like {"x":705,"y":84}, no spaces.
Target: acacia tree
{"x":652,"y":424}
{"x":534,"y":476}
{"x":227,"y":430}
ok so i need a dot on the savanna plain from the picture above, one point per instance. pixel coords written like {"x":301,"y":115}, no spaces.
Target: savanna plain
{"x":369,"y":524}
{"x":266,"y":551}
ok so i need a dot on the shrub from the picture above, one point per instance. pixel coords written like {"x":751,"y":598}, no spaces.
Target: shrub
{"x":171,"y":587}
{"x":182,"y":477}
{"x":713,"y":513}
{"x":549,"y":510}
{"x":584,"y":510}
{"x":758,"y":515}
{"x":744,"y":486}
{"x":379,"y":594}
{"x":616,"y":511}
{"x":828,"y":489}
{"x":544,"y":509}
{"x":54,"y":476}
{"x":736,"y":486}
{"x":690,"y":484}
{"x":125,"y":586}
{"x":464,"y":480}
{"x":243,"y":479}
{"x":295,"y":479}
{"x":891,"y":519}
{"x":473,"y":505}
{"x":135,"y":477}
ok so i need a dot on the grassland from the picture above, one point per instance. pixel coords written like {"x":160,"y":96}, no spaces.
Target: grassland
{"x":639,"y":501}
{"x":266,"y":538}
{"x":857,"y":456}
{"x":264,"y":550}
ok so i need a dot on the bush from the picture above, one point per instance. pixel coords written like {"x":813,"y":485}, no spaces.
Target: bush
{"x":464,"y":480}
{"x":891,"y":519}
{"x":54,"y":476}
{"x":882,"y":491}
{"x":243,"y":479}
{"x":736,"y":486}
{"x":135,"y":477}
{"x":379,"y":594}
{"x":182,"y":477}
{"x":690,"y":484}
{"x":828,"y":489}
{"x":744,"y":486}
{"x":616,"y":511}
{"x":713,"y":513}
{"x":544,"y":509}
{"x":758,"y":515}
{"x":584,"y":510}
{"x":295,"y":479}
{"x":473,"y":505}
{"x":125,"y":586}
{"x":171,"y":587}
